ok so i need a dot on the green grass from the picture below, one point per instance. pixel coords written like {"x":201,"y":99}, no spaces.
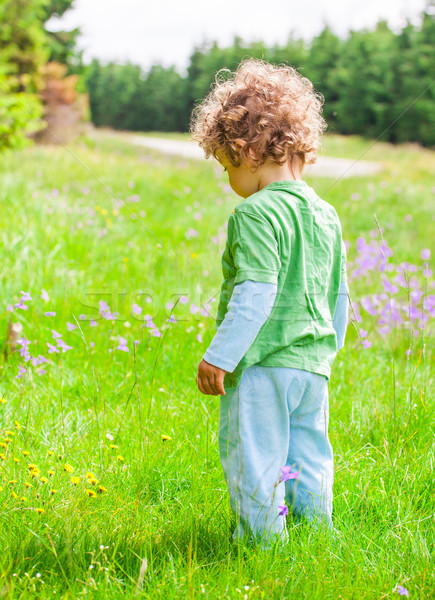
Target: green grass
{"x":165,"y":506}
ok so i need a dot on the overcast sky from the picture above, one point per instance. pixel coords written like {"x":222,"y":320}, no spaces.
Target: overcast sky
{"x":148,"y":32}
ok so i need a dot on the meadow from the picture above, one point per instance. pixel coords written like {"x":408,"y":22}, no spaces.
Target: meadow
{"x":111,"y":484}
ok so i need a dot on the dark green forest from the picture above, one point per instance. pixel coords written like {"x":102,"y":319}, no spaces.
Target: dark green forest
{"x":369,"y":80}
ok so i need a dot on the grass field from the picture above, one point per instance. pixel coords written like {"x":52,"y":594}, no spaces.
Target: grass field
{"x":111,"y":263}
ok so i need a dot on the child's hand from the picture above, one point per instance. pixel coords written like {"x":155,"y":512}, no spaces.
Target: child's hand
{"x":210,"y":379}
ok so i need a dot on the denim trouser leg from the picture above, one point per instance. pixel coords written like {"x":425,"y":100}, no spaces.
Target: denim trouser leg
{"x":277,"y":416}
{"x":311,"y":454}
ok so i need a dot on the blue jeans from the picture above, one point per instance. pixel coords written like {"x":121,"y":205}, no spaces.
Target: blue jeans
{"x":276,"y":416}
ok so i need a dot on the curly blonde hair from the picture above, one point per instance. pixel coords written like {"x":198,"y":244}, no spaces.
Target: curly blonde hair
{"x":274,"y":109}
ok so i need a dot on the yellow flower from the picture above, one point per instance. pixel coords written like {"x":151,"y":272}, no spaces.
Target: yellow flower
{"x":91,"y":493}
{"x":10,"y":432}
{"x":50,"y":472}
{"x":165,"y":438}
{"x":26,"y":453}
{"x":68,"y":468}
{"x":90,"y":475}
{"x":35,"y":472}
{"x":2,"y":456}
{"x":3,"y":445}
{"x":103,"y":211}
{"x":17,"y":460}
{"x":93,"y":481}
{"x":17,"y":425}
{"x":44,"y":479}
{"x":13,"y":481}
{"x":113,"y":446}
{"x":15,"y":495}
{"x":23,"y":499}
{"x":101,"y":489}
{"x":41,"y":511}
{"x":1,"y":489}
{"x":194,"y":255}
{"x":75,"y":480}
{"x":52,"y":492}
{"x":2,"y":401}
{"x":119,"y":457}
{"x":27,"y":484}
{"x":8,"y":440}
{"x":50,"y":452}
{"x":32,"y":466}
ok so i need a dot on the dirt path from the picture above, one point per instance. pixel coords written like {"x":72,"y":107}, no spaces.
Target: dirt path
{"x":325,"y":166}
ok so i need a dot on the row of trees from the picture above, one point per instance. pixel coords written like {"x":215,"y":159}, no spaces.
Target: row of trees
{"x":375,"y":82}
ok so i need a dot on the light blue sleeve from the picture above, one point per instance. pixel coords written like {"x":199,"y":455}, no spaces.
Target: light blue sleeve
{"x":340,"y":320}
{"x":250,"y":306}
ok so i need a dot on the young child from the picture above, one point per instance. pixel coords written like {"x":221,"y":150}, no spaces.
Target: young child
{"x":283,"y":306}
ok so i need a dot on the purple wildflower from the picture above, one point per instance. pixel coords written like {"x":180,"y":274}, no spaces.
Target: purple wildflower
{"x":23,"y":342}
{"x":367,"y":305}
{"x":55,"y":334}
{"x":389,"y":287}
{"x":190,"y":233}
{"x":136,"y":309}
{"x":93,"y":323}
{"x":286,"y":474}
{"x":156,"y":333}
{"x":425,"y":254}
{"x":283,"y":510}
{"x":50,"y":314}
{"x":103,"y":306}
{"x":10,"y":308}
{"x":65,"y":347}
{"x":402,"y":591}
{"x":122,"y":344}
{"x":21,"y":371}
{"x":194,"y":309}
{"x":26,"y":296}
{"x":172,"y":319}
{"x":408,"y":352}
{"x":44,"y":295}
{"x":184,"y":299}
{"x":41,"y":371}
{"x":21,"y":305}
{"x":51,"y":348}
{"x":70,"y":326}
{"x":367,"y":344}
